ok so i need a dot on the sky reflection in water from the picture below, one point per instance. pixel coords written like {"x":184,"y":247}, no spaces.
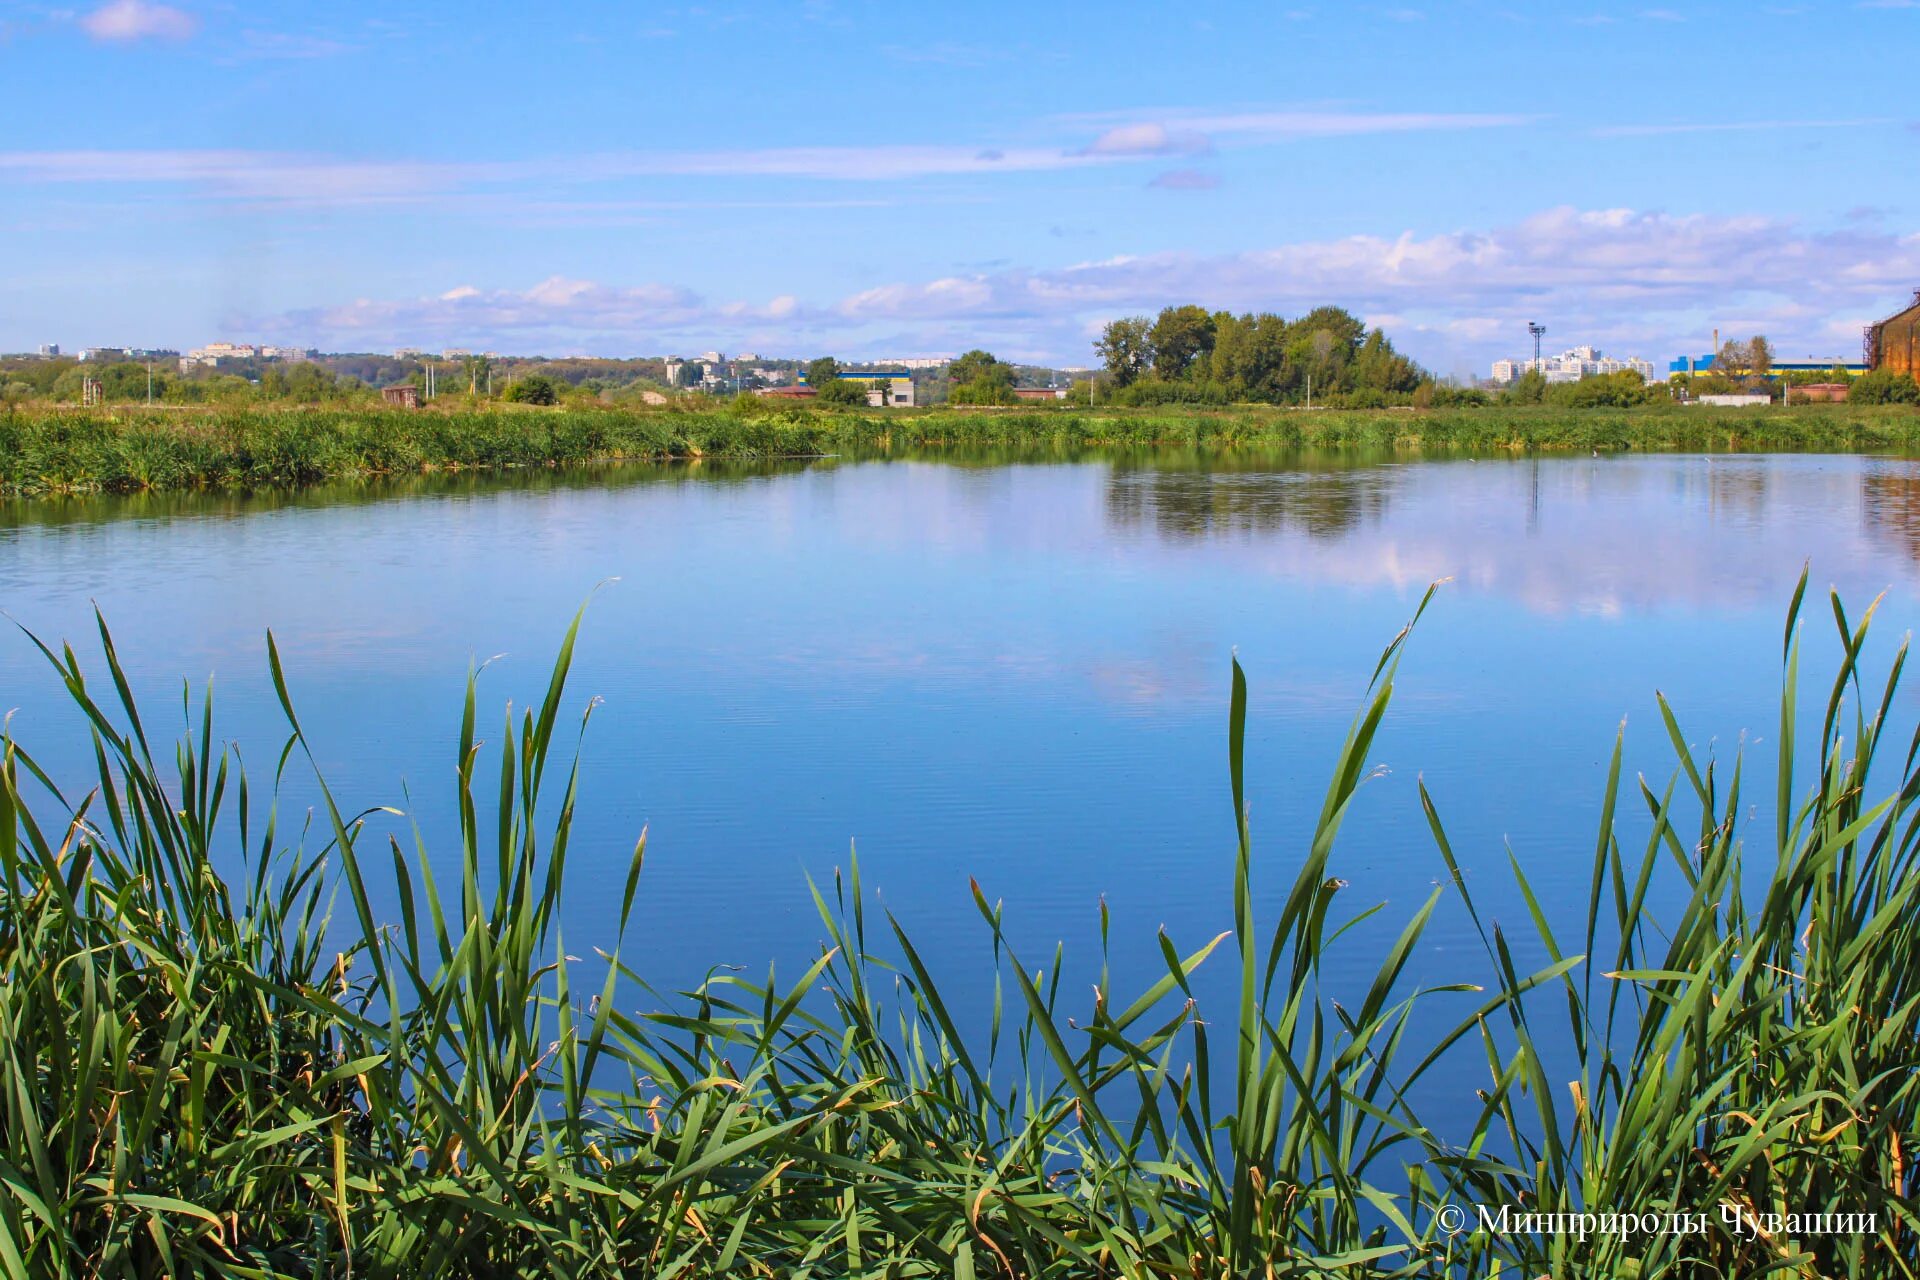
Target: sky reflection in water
{"x":1016,"y":673}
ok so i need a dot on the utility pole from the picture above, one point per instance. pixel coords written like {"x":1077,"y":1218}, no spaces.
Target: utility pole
{"x":149,"y":384}
{"x":1309,"y":391}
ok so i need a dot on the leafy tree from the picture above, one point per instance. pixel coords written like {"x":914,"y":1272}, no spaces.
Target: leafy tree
{"x":837,"y":390}
{"x":535,"y":388}
{"x":822,"y":372}
{"x":1603,"y":390}
{"x":1346,"y":328}
{"x":1884,"y":386}
{"x":1529,"y":388}
{"x":984,"y":390}
{"x":306,"y":383}
{"x":1250,"y":355}
{"x":15,"y":394}
{"x":478,"y":369}
{"x":1126,"y":348}
{"x":979,"y":366}
{"x":1180,"y":337}
{"x":1187,"y":354}
{"x":1746,"y":363}
{"x":1320,"y":346}
{"x":126,"y":382}
{"x":1378,"y":367}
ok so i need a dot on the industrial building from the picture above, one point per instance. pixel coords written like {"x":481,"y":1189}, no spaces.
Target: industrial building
{"x":1894,"y":343}
{"x":1704,"y":366}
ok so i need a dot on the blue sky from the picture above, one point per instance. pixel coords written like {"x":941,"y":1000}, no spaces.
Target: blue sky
{"x":870,"y":180}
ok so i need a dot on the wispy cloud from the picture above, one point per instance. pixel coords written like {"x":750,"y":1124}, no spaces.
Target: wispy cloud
{"x":244,"y":174}
{"x":269,"y":45}
{"x":123,"y":21}
{"x":1742,"y":126}
{"x":333,"y":180}
{"x":1184,"y":180}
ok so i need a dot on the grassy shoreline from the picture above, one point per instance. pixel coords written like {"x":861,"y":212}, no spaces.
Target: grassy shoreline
{"x":133,"y":450}
{"x":227,"y":1076}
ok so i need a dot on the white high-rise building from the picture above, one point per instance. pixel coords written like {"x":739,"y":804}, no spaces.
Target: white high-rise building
{"x":1571,"y":365}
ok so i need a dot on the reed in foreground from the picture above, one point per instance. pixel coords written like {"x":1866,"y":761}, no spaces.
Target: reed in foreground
{"x":207,"y":1074}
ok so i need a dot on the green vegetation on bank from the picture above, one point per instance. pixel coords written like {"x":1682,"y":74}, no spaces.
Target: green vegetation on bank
{"x":131,"y":450}
{"x":206,"y":1069}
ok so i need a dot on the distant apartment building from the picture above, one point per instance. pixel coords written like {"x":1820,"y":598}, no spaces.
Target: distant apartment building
{"x":215,"y":352}
{"x":49,"y":350}
{"x":286,"y":353}
{"x":1570,"y":365}
{"x":100,"y":355}
{"x":920,"y":362}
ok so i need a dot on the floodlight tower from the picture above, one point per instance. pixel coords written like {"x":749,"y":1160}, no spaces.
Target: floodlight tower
{"x":1538,"y":331}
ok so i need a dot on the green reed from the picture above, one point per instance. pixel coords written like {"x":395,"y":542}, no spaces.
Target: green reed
{"x":130,"y":450}
{"x":255,"y":1074}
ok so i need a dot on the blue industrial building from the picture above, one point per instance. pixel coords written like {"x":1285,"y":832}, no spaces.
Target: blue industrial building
{"x":1700,"y":366}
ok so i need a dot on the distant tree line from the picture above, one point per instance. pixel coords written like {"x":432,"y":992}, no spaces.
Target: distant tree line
{"x":1621,"y":390}
{"x":1188,"y":353}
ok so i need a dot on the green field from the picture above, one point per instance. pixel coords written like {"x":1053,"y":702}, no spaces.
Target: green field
{"x":258,"y":1075}
{"x":132,"y":450}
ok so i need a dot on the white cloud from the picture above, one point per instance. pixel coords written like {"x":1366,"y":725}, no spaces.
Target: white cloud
{"x":1649,"y":284}
{"x":127,"y":20}
{"x":1149,"y":140}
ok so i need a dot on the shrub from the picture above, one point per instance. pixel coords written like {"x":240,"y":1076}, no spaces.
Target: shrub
{"x":535,"y":388}
{"x":1884,"y":386}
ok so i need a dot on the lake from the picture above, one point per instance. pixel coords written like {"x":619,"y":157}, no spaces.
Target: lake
{"x":973,"y":669}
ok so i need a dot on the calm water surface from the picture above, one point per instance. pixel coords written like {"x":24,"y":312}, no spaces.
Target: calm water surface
{"x":1014,"y":673}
